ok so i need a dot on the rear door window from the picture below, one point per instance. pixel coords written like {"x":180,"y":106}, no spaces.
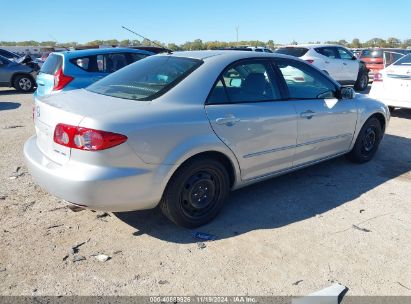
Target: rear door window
{"x":103,"y":63}
{"x":247,"y":81}
{"x":87,"y":63}
{"x":329,"y":52}
{"x":52,"y":64}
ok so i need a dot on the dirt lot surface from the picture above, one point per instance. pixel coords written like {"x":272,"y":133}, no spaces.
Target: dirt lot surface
{"x":292,"y":235}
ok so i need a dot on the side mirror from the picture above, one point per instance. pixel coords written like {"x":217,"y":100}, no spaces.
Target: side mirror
{"x":347,"y":93}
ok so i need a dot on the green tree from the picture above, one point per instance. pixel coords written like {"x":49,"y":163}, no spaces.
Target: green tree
{"x":125,"y":42}
{"x":270,"y":44}
{"x":393,"y":42}
{"x":356,"y":43}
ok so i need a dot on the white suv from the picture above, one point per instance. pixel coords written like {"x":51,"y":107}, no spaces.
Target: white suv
{"x":334,"y":60}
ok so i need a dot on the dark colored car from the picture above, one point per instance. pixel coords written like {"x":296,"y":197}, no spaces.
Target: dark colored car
{"x":20,"y":74}
{"x":9,"y":55}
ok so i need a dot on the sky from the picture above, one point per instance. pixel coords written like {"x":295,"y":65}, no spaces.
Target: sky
{"x":185,"y":20}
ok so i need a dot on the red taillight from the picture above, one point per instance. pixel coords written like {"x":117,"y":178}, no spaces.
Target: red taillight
{"x":310,"y":60}
{"x":377,"y":77}
{"x":86,"y":139}
{"x":61,"y":80}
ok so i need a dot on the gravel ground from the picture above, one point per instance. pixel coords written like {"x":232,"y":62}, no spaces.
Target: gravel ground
{"x":292,"y":235}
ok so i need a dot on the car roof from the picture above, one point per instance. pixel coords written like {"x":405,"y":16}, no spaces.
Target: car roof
{"x":88,"y":52}
{"x":310,"y":46}
{"x":227,"y":54}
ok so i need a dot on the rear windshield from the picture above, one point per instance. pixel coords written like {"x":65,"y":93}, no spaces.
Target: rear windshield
{"x":292,"y":51}
{"x":371,"y":53}
{"x":52,"y":64}
{"x":146,"y":79}
{"x":406,"y":60}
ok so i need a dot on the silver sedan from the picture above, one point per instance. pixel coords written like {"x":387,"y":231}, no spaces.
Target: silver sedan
{"x":181,"y":130}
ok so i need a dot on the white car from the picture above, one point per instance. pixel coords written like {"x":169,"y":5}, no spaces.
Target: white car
{"x":392,"y":85}
{"x":334,"y":60}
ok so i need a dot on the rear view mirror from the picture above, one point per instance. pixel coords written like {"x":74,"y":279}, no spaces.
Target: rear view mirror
{"x":347,"y":93}
{"x":235,"y":82}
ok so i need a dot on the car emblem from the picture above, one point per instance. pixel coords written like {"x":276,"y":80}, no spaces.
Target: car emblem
{"x":38,"y":111}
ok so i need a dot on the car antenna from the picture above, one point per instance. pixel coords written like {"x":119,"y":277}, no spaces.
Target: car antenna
{"x":155,"y":43}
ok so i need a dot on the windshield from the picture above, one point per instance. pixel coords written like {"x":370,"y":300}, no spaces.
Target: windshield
{"x":292,"y":51}
{"x":406,"y":60}
{"x":146,"y":79}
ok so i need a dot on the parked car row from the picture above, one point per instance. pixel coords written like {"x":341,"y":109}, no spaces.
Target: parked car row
{"x":180,"y":130}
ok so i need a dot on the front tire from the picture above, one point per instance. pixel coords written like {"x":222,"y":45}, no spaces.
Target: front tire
{"x":362,"y":82}
{"x":196,"y":193}
{"x":24,"y":83}
{"x":367,"y":142}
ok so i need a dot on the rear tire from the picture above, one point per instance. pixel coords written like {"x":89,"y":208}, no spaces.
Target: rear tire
{"x":362,"y":82}
{"x":367,"y":142}
{"x":196,"y":193}
{"x":24,"y":83}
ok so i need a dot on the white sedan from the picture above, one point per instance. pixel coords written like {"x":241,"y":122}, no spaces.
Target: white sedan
{"x":392,"y":85}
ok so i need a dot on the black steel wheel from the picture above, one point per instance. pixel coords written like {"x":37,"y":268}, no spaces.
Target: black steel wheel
{"x":196,"y":193}
{"x":367,"y":141}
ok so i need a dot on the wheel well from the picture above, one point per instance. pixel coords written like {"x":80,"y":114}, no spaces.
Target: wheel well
{"x":218,"y":156}
{"x":13,"y":78}
{"x":381,"y":119}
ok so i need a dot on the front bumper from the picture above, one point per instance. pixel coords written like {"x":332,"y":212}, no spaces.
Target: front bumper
{"x":95,"y":187}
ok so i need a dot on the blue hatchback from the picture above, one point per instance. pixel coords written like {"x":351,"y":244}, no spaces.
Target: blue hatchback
{"x":72,"y":70}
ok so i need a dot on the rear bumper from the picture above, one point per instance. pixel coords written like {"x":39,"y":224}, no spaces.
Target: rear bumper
{"x":95,"y":187}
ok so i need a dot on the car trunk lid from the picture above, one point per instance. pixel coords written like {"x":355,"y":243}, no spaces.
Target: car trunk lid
{"x":72,"y":108}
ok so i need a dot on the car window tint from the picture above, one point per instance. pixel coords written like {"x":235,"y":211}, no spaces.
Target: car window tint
{"x":52,"y":64}
{"x":344,"y":54}
{"x":133,"y":57}
{"x":406,"y":60}
{"x":146,"y":79}
{"x":218,"y":94}
{"x":327,"y":51}
{"x":304,"y":82}
{"x":249,"y":82}
{"x":292,"y":51}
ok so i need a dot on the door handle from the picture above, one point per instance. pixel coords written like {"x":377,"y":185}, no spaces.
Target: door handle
{"x":307,"y":114}
{"x":344,"y":63}
{"x":229,"y":120}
